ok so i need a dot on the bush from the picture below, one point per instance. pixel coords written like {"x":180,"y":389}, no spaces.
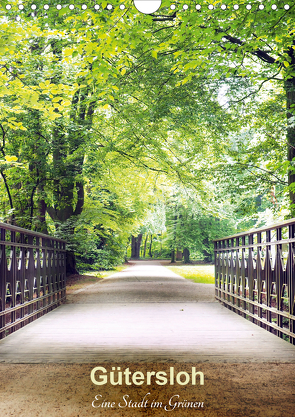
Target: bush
{"x":102,"y":259}
{"x":93,"y":248}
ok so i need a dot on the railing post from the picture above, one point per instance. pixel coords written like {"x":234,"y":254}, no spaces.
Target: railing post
{"x":3,"y":280}
{"x":12,"y":275}
{"x":251,"y":275}
{"x":291,"y":284}
{"x":279,"y":278}
{"x":268,"y":277}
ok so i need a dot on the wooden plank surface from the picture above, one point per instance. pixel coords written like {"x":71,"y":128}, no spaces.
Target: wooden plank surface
{"x":145,"y":313}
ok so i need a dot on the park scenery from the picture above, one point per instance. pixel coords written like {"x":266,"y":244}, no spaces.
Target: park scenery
{"x":147,"y":205}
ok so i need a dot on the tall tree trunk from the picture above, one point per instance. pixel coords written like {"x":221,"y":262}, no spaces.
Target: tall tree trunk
{"x":135,"y":246}
{"x":186,"y":255}
{"x":289,"y":85}
{"x":68,"y":186}
{"x":290,"y":94}
{"x":173,"y":256}
{"x":41,"y":225}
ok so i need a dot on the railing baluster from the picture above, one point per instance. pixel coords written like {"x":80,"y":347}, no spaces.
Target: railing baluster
{"x":258,"y":292}
{"x":25,"y":270}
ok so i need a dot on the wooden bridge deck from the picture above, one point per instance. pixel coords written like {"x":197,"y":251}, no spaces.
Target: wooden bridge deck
{"x":143,"y":314}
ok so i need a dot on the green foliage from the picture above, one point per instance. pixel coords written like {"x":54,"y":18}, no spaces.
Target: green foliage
{"x":191,"y":226}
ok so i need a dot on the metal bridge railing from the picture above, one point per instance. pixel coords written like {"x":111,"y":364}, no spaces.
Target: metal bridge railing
{"x":255,"y":276}
{"x":32,"y":276}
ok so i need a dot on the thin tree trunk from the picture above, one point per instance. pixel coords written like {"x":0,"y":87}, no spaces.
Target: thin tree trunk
{"x":150,"y":248}
{"x":145,"y":242}
{"x":174,"y":234}
{"x":9,"y":196}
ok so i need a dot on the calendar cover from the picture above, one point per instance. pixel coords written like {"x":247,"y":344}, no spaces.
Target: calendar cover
{"x":147,"y":208}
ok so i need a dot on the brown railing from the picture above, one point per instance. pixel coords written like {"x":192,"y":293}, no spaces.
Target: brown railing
{"x":32,"y":276}
{"x":255,"y":276}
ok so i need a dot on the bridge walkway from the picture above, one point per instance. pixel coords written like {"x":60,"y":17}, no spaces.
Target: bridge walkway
{"x":145,"y":313}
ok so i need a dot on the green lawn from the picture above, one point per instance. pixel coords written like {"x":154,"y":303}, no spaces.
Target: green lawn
{"x":203,"y":274}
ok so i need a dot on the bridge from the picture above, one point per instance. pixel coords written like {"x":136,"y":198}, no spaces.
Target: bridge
{"x":148,"y":315}
{"x":145,"y":312}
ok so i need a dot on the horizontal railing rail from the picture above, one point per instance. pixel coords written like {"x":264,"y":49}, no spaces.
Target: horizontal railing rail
{"x":255,"y":276}
{"x":32,"y":276}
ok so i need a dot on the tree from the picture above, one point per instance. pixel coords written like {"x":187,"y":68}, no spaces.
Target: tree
{"x":193,"y":228}
{"x":73,"y":105}
{"x":256,"y":43}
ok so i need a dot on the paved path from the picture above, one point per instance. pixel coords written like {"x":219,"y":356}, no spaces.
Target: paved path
{"x":145,"y":313}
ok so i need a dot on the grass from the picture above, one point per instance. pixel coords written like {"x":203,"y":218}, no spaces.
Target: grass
{"x":78,"y":282}
{"x":203,"y":274}
{"x":105,"y":274}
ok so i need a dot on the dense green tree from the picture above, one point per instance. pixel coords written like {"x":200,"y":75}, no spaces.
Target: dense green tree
{"x":251,"y":41}
{"x":191,"y":228}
